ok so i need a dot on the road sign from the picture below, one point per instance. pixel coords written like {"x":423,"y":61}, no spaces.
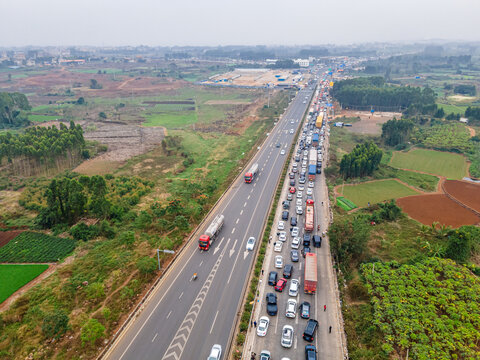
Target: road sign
{"x":169,"y":251}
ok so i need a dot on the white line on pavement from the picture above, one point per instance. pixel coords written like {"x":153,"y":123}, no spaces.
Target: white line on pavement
{"x":213,"y":323}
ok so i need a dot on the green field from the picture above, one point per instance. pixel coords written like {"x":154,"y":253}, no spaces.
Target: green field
{"x":42,"y":118}
{"x":36,"y":247}
{"x":375,"y":192}
{"x":457,"y":109}
{"x":450,"y":165}
{"x":13,"y":277}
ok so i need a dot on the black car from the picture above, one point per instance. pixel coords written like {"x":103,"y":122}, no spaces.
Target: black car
{"x":272,"y":307}
{"x":297,"y":158}
{"x":287,"y":271}
{"x":278,"y":145}
{"x":310,"y":352}
{"x":293,"y":221}
{"x":272,"y":278}
{"x":305,"y":310}
{"x":317,"y":241}
{"x":292,"y":182}
{"x":319,"y":169}
{"x":309,"y":332}
{"x":306,"y":239}
{"x":286,"y":204}
{"x":294,"y":255}
{"x":285,"y":215}
{"x":305,"y":250}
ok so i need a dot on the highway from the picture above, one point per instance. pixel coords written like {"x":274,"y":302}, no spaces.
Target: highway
{"x":324,"y":304}
{"x":183,"y":318}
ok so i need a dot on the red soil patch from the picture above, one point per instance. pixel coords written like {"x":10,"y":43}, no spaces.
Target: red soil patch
{"x":6,"y":236}
{"x":437,"y":207}
{"x":466,"y":192}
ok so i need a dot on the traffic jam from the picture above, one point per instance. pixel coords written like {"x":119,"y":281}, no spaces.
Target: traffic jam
{"x":287,"y":309}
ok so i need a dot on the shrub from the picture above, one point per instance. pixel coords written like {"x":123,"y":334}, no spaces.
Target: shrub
{"x":127,"y":238}
{"x":55,"y":324}
{"x":84,"y":232}
{"x":95,"y":291}
{"x":146,"y":265}
{"x":92,"y":331}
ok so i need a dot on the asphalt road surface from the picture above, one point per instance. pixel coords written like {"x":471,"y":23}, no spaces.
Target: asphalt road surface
{"x":184,"y":318}
{"x":324,"y":304}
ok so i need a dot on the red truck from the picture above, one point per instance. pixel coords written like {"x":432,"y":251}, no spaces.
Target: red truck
{"x":206,"y":240}
{"x":309,"y":216}
{"x":310,"y":283}
{"x":251,"y":173}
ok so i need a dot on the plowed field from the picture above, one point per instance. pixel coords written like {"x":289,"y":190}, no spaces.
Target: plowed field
{"x":6,"y":236}
{"x":437,"y":207}
{"x":465,"y":192}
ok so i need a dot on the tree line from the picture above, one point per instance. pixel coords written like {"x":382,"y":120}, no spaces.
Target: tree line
{"x":13,"y":107}
{"x":41,"y":142}
{"x":373,"y":91}
{"x":362,"y":161}
{"x":396,"y":132}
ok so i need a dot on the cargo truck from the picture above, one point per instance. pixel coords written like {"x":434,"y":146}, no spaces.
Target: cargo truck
{"x":310,"y":283}
{"x":319,"y":121}
{"x":312,"y":157}
{"x":312,"y":170}
{"x":309,"y":216}
{"x":207,"y":239}
{"x":251,"y":173}
{"x":315,"y":140}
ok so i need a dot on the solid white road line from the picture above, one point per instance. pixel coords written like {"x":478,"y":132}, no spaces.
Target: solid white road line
{"x":213,"y":323}
{"x":233,"y":230}
{"x":170,"y":313}
{"x":180,"y":296}
{"x":154,"y":337}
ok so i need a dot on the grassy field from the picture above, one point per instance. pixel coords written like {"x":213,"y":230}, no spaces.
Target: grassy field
{"x":13,"y":277}
{"x":42,"y":118}
{"x":450,"y":108}
{"x":450,"y":165}
{"x":375,"y":191}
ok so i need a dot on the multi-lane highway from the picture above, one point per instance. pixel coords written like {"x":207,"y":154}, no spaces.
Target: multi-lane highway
{"x":183,"y":318}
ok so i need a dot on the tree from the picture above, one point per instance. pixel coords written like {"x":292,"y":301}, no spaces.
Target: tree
{"x":465,"y":90}
{"x":362,"y":161}
{"x":92,"y":331}
{"x":94,"y":84}
{"x":55,"y":324}
{"x":395,"y":132}
{"x":102,"y":115}
{"x":459,"y":247}
{"x":12,"y":109}
{"x":81,"y":100}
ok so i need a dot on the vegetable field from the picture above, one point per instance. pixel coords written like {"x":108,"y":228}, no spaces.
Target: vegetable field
{"x":452,"y":166}
{"x":448,"y":137}
{"x":13,"y":277}
{"x":429,"y":308}
{"x":36,"y":247}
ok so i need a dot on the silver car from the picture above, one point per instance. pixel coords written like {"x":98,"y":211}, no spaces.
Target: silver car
{"x":215,"y":353}
{"x":291,"y":310}
{"x":287,"y":336}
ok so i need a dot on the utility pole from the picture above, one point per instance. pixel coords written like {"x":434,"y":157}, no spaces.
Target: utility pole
{"x":158,"y":256}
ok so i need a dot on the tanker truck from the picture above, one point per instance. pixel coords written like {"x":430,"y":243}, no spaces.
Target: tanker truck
{"x":207,"y":239}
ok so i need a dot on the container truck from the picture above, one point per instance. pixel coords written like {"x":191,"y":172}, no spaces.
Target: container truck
{"x":251,"y":173}
{"x":207,"y":239}
{"x":309,"y":216}
{"x":310,"y":283}
{"x":312,"y":157}
{"x":312,"y":170}
{"x":315,"y":140}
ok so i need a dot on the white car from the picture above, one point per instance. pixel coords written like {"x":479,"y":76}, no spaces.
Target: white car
{"x":278,"y":261}
{"x":311,"y":184}
{"x":277,"y":247}
{"x":291,"y":310}
{"x":299,"y":194}
{"x":309,"y":191}
{"x":250,"y":243}
{"x":291,"y":131}
{"x":215,"y":353}
{"x":263,"y":326}
{"x":292,"y":121}
{"x":304,"y":163}
{"x":282,"y":152}
{"x":287,"y":336}
{"x":299,"y":210}
{"x":265,"y":355}
{"x":281,"y":225}
{"x":295,"y":243}
{"x":299,"y":202}
{"x":282,"y":236}
{"x":301,"y":187}
{"x":293,"y":290}
{"x":295,"y":231}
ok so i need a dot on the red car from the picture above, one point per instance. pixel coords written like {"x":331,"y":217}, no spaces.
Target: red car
{"x":281,"y":285}
{"x":292,"y":190}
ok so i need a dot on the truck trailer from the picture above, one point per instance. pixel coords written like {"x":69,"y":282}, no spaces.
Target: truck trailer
{"x":309,"y":216}
{"x":207,"y":239}
{"x":312,"y":170}
{"x":251,"y":173}
{"x":310,"y":283}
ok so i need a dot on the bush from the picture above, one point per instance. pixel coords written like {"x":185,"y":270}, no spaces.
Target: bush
{"x":95,"y":291}
{"x":84,"y":232}
{"x":127,"y":238}
{"x":107,"y":230}
{"x":146,"y":265}
{"x":55,"y":324}
{"x":92,"y":331}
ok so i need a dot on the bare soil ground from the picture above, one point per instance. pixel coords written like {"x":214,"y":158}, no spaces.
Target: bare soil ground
{"x":466,"y":192}
{"x":437,"y":207}
{"x":257,"y":77}
{"x":368,"y":124}
{"x":227,"y":102}
{"x":6,"y":236}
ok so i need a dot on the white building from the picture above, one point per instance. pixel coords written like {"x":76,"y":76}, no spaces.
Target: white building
{"x":302,"y":62}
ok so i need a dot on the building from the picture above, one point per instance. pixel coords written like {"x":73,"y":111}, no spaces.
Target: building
{"x":302,"y":62}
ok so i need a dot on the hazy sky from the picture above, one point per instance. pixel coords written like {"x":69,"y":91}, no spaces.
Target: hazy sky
{"x":222,"y":22}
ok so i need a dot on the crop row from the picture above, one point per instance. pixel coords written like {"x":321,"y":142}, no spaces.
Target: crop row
{"x":31,"y":247}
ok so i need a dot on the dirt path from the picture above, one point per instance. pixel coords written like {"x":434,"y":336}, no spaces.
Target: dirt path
{"x":472,"y":131}
{"x":124,"y":83}
{"x":51,"y":269}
